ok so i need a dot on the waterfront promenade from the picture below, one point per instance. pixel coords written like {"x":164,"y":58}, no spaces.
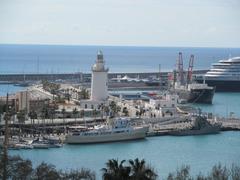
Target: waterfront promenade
{"x":157,"y":126}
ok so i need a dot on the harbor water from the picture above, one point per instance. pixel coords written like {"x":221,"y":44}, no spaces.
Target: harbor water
{"x":164,"y":153}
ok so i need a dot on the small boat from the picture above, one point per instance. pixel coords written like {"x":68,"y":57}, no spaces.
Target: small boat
{"x":23,"y":146}
{"x":40,"y":146}
{"x":39,"y":143}
{"x":46,"y":142}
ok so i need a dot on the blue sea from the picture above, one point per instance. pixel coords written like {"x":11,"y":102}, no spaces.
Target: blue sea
{"x":69,"y":59}
{"x":164,"y":153}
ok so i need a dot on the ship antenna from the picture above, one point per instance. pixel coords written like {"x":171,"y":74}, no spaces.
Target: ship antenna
{"x":230,"y":56}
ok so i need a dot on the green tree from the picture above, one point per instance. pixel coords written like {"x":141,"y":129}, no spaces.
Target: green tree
{"x":20,"y":169}
{"x":114,"y":108}
{"x":21,"y":116}
{"x":83,"y":94}
{"x":75,"y":113}
{"x":63,"y":111}
{"x":46,"y":172}
{"x":84,"y":174}
{"x":94,"y":112}
{"x":219,"y":172}
{"x":116,"y":171}
{"x":125,"y":111}
{"x":140,"y":171}
{"x":44,"y":113}
{"x":182,"y":174}
{"x":33,"y":115}
{"x":106,"y":110}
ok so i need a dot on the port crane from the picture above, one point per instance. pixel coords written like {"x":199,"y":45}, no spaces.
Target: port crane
{"x":190,"y":69}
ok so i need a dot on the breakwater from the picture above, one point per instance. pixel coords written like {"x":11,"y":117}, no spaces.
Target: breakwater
{"x":79,"y":77}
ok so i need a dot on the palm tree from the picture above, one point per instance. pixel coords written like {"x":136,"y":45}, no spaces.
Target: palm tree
{"x":21,"y":115}
{"x":63,"y":111}
{"x":33,"y":115}
{"x":114,"y":108}
{"x":94,"y":112}
{"x":75,"y":112}
{"x":52,"y":112}
{"x":82,"y":114}
{"x":116,"y":171}
{"x":106,"y":111}
{"x":139,"y":170}
{"x":63,"y":116}
{"x":44,"y":113}
{"x":125,"y":111}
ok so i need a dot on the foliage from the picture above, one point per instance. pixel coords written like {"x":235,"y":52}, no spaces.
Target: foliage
{"x":83,"y":94}
{"x":181,"y":174}
{"x":19,"y":169}
{"x":75,"y":113}
{"x":135,"y":170}
{"x":45,"y":171}
{"x":114,"y":108}
{"x":125,"y":111}
{"x":21,"y":115}
{"x":50,"y":87}
{"x":116,"y":171}
{"x":140,"y":171}
{"x":79,"y":174}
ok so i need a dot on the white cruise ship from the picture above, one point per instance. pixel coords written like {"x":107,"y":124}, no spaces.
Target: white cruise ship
{"x":224,"y":75}
{"x":117,"y":130}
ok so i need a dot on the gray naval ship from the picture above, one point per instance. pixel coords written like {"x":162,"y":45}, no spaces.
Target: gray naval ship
{"x":199,"y":126}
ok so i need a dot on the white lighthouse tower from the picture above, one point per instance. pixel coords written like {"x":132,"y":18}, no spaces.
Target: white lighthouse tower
{"x":99,"y":89}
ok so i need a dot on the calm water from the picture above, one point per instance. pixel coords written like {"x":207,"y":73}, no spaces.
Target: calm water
{"x":165,"y":153}
{"x":9,"y":88}
{"x":55,"y":59}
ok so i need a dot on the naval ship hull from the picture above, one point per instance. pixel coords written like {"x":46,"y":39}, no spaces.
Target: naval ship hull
{"x":197,"y":95}
{"x":203,"y":131}
{"x":223,"y":85}
{"x":138,"y":133}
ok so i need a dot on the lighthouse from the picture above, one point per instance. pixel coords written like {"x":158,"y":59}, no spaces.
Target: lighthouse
{"x":99,"y":87}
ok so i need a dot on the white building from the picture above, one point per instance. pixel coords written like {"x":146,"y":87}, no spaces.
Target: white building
{"x":99,"y":87}
{"x":163,"y":105}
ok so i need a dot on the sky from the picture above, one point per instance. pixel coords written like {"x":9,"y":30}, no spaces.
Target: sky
{"x":189,"y":23}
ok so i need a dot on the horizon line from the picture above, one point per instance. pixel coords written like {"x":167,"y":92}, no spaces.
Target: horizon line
{"x":95,"y":45}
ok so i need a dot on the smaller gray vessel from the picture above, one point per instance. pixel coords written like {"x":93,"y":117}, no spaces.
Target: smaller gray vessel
{"x":200,"y":126}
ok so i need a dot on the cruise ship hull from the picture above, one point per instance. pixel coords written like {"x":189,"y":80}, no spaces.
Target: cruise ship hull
{"x":197,"y":95}
{"x":138,"y":133}
{"x":223,"y":85}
